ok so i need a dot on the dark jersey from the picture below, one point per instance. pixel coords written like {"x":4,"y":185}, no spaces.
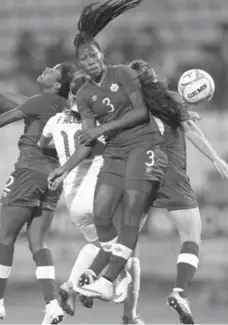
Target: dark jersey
{"x":110,"y":101}
{"x":38,"y":109}
{"x":176,"y":145}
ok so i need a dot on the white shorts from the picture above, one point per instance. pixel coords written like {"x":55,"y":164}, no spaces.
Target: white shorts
{"x":79,"y":188}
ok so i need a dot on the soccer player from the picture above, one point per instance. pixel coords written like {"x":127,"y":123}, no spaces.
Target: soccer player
{"x":26,"y":198}
{"x":134,"y":160}
{"x":176,"y":193}
{"x":79,"y":188}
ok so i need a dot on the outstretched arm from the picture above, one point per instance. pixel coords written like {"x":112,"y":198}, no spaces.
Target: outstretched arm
{"x":11,"y":116}
{"x":198,"y":139}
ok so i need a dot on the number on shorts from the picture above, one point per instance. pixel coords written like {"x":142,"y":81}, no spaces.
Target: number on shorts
{"x":66,"y":144}
{"x":109,"y":107}
{"x":8,"y":184}
{"x":150,"y":155}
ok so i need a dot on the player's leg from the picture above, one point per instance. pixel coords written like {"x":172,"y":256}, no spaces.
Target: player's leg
{"x":80,"y":206}
{"x":144,"y":172}
{"x":141,"y":185}
{"x":12,"y":220}
{"x":130,"y":305}
{"x":16,"y":199}
{"x":188,"y":223}
{"x":108,"y":192}
{"x":180,"y":200}
{"x":37,"y":231}
{"x":79,"y":197}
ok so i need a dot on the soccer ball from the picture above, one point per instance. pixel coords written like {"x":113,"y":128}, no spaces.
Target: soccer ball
{"x":195,"y":86}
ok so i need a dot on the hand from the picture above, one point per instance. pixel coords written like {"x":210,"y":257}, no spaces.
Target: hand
{"x":88,"y":136}
{"x":56,"y":178}
{"x":194,"y":116}
{"x":222,"y":167}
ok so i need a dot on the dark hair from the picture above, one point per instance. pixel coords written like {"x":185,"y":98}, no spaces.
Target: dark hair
{"x":156,"y":95}
{"x":96,"y":16}
{"x":67,"y":75}
{"x":71,"y":116}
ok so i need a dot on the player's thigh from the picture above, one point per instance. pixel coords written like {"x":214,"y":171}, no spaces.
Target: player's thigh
{"x":23,"y":188}
{"x":49,"y":199}
{"x":13,"y":218}
{"x":188,"y":223}
{"x":118,"y":216}
{"x":80,"y":201}
{"x":109,"y":189}
{"x":145,"y":163}
{"x":38,"y":229}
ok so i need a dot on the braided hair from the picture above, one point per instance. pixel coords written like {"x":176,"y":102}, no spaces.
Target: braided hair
{"x":96,"y":16}
{"x":67,"y":75}
{"x":156,"y":95}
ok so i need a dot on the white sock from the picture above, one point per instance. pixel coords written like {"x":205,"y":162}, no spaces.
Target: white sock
{"x":130,"y":305}
{"x":83,"y":262}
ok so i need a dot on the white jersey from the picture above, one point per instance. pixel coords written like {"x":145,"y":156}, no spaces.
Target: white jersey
{"x":64,"y":133}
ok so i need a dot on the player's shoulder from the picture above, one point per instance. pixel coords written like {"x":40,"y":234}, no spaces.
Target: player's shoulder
{"x":121,"y":68}
{"x":83,"y":91}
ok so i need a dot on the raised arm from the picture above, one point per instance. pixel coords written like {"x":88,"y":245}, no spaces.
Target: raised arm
{"x":11,"y":116}
{"x":198,"y":139}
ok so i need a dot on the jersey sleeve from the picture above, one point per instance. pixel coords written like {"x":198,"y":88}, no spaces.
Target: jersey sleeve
{"x":48,"y":128}
{"x":128,"y":79}
{"x":83,"y":107}
{"x":31,"y":106}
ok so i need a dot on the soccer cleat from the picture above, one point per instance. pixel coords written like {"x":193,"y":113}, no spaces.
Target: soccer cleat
{"x":2,"y":310}
{"x":53,"y":314}
{"x":123,"y":281}
{"x":136,"y":320}
{"x":101,"y":288}
{"x":85,"y":279}
{"x":181,"y":305}
{"x":68,"y":298}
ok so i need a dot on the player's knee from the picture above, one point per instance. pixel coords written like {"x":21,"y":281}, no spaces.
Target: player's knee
{"x":191,"y":231}
{"x":86,"y":225}
{"x":36,"y":242}
{"x":8,"y":236}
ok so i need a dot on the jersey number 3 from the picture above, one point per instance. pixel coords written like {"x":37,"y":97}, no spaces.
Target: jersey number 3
{"x":108,"y":106}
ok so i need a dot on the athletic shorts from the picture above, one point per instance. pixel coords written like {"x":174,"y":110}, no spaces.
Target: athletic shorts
{"x":130,"y":168}
{"x":29,"y":188}
{"x":79,"y":188}
{"x":176,"y":193}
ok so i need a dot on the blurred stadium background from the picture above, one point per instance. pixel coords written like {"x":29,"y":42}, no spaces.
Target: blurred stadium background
{"x":173,"y":35}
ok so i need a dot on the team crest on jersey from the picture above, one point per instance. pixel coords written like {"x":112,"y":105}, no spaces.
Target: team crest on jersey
{"x":94,"y":98}
{"x":114,"y":87}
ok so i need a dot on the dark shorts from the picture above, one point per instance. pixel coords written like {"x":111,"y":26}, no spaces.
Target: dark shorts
{"x":29,"y":188}
{"x":176,"y":193}
{"x":133,"y":166}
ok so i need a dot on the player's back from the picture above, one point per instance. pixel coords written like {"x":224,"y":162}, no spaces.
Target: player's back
{"x":176,"y":147}
{"x":65,"y":128}
{"x":38,"y":110}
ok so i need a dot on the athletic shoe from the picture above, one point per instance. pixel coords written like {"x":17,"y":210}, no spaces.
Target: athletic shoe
{"x":101,"y":288}
{"x":53,"y":314}
{"x":136,"y":320}
{"x":68,"y":298}
{"x":85,"y":279}
{"x":181,"y":305}
{"x":122,"y":284}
